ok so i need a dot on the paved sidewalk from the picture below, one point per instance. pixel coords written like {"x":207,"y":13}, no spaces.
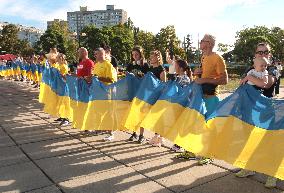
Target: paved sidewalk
{"x":37,"y":156}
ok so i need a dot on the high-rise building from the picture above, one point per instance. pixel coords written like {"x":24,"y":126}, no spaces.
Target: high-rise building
{"x":31,"y":34}
{"x":60,"y":21}
{"x":79,"y":19}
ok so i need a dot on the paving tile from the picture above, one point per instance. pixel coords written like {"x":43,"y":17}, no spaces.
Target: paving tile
{"x":54,"y":147}
{"x":123,"y":179}
{"x":179,"y":175}
{"x":27,"y":128}
{"x":21,"y":178}
{"x":49,"y":189}
{"x":11,"y":155}
{"x":65,"y":167}
{"x":225,"y":165}
{"x":263,"y":177}
{"x":34,"y":135}
{"x":230,"y":184}
{"x":6,"y":141}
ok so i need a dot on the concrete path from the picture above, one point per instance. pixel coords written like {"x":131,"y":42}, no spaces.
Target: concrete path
{"x":37,"y":156}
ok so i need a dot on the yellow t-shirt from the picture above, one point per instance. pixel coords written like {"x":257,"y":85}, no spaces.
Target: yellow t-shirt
{"x":212,"y":66}
{"x":106,"y":70}
{"x":63,"y":69}
{"x":55,"y":65}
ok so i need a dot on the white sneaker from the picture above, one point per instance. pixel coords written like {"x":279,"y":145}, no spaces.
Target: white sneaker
{"x":174,"y":148}
{"x":64,"y":123}
{"x":109,"y":138}
{"x":180,"y":150}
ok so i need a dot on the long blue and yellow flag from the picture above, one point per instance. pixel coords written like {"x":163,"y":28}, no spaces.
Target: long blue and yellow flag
{"x":246,"y":129}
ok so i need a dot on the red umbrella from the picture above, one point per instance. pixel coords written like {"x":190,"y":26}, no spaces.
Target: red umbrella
{"x":8,"y":57}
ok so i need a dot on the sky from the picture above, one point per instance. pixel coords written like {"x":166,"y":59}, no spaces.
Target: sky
{"x":222,"y":18}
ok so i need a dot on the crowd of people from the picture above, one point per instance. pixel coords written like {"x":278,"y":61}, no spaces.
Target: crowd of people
{"x":264,"y":75}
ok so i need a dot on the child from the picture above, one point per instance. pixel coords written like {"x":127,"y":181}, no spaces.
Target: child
{"x":258,"y":76}
{"x":183,"y":78}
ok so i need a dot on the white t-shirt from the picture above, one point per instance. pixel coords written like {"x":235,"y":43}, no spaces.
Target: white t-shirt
{"x":172,"y":69}
{"x":257,"y":74}
{"x":279,"y":70}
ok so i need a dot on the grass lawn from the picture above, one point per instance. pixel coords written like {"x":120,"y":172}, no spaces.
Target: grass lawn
{"x":231,"y":86}
{"x":234,"y":83}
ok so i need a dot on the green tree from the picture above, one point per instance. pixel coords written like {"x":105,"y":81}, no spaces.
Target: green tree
{"x":9,"y":39}
{"x":24,"y":47}
{"x":223,"y":47}
{"x":277,"y":40}
{"x":58,"y":36}
{"x":190,"y":51}
{"x":95,"y":37}
{"x":129,"y":24}
{"x":167,"y":39}
{"x":120,"y":38}
{"x":246,"y":41}
{"x":121,"y":42}
{"x":146,"y":40}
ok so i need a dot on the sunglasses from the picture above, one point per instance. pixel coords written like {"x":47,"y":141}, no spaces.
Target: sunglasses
{"x":262,"y":52}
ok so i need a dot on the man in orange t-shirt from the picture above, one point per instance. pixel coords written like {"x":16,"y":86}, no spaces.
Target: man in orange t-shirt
{"x":212,"y":73}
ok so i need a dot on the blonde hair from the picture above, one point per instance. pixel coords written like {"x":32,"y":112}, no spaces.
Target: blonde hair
{"x":62,"y":57}
{"x":211,"y":38}
{"x":261,"y":60}
{"x":159,"y":56}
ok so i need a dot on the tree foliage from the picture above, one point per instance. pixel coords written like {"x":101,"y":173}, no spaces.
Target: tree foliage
{"x":119,"y":38}
{"x":165,"y":39}
{"x":191,"y":53}
{"x":10,"y":43}
{"x":147,"y":41}
{"x":57,"y":35}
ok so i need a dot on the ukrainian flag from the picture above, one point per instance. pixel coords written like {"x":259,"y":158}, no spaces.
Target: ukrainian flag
{"x":109,"y":104}
{"x":74,"y":105}
{"x":90,"y":107}
{"x":146,"y":96}
{"x":64,"y":99}
{"x":9,"y":71}
{"x":40,"y":68}
{"x":3,"y":70}
{"x":179,"y":115}
{"x":29,"y":71}
{"x":23,"y":69}
{"x":51,"y":89}
{"x":14,"y":69}
{"x":247,"y":130}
